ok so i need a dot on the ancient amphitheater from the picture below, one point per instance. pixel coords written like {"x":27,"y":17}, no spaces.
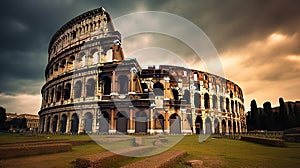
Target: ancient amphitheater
{"x":89,"y":90}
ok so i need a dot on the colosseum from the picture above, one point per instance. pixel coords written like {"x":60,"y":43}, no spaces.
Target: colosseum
{"x":88,"y":90}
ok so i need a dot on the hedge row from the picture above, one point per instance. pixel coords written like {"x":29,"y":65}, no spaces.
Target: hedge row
{"x":25,"y":150}
{"x":265,"y":141}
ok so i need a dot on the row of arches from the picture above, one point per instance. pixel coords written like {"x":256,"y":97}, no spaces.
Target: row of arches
{"x":63,"y":124}
{"x":94,"y":23}
{"x":217,"y":127}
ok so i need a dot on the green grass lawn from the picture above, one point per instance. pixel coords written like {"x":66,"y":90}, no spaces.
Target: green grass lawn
{"x":214,"y":152}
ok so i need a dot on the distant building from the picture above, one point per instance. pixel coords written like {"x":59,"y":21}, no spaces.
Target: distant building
{"x":32,"y":121}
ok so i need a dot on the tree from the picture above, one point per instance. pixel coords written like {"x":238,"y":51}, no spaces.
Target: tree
{"x":297,"y":114}
{"x":268,"y":115}
{"x":2,"y":117}
{"x":283,"y":114}
{"x":254,"y":115}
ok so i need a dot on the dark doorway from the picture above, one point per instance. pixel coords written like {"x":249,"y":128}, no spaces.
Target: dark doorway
{"x":122,"y":122}
{"x":141,"y":124}
{"x":74,"y":124}
{"x":175,"y":124}
{"x":88,"y":122}
{"x":104,"y":122}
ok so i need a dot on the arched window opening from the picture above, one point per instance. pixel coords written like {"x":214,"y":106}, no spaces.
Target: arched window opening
{"x":95,"y":55}
{"x":52,"y":95}
{"x":158,"y":89}
{"x":67,"y":91}
{"x":187,"y":96}
{"x":208,"y":126}
{"x":227,"y":105}
{"x":215,"y":101}
{"x":161,"y":124}
{"x":175,"y":124}
{"x":122,"y":122}
{"x":74,"y":123}
{"x":90,"y":87}
{"x":206,"y":101}
{"x":141,"y":123}
{"x":107,"y":85}
{"x":223,"y":126}
{"x":54,"y":123}
{"x":63,"y":124}
{"x":104,"y":122}
{"x":216,"y":126}
{"x":232,"y":106}
{"x":58,"y":93}
{"x":221,"y":103}
{"x":199,"y":125}
{"x":88,"y":122}
{"x":197,"y":100}
{"x":78,"y":89}
{"x":123,"y":84}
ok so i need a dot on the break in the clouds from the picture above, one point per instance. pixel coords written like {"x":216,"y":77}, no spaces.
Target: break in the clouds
{"x":258,"y":42}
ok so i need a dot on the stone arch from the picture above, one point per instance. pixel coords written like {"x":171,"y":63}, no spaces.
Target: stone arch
{"x":77,"y":89}
{"x":95,"y":56}
{"x":58,"y":93}
{"x":206,"y":101}
{"x":199,"y":125}
{"x":48,"y":124}
{"x":175,"y":124}
{"x":74,"y":123}
{"x":227,"y":105}
{"x":234,"y":127}
{"x":141,"y":122}
{"x":123,"y":84}
{"x":197,"y":100}
{"x":223,"y":126}
{"x":90,"y":87}
{"x":52,"y":95}
{"x":208,"y":126}
{"x":82,"y":59}
{"x":106,"y":85}
{"x":63,"y":124}
{"x":215,"y":101}
{"x":232,"y":106}
{"x":104,"y":122}
{"x":238,"y":127}
{"x":121,"y":124}
{"x":222,"y":103}
{"x":161,"y":123}
{"x":88,"y":122}
{"x":229,"y":126}
{"x":217,"y":126}
{"x":158,"y":89}
{"x":54,"y":123}
{"x":187,"y":96}
{"x":67,"y":91}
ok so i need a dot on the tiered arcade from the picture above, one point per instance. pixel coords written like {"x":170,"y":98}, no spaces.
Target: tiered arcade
{"x":89,"y":90}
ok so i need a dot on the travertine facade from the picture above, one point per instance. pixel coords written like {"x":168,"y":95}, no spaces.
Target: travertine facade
{"x":88,"y":90}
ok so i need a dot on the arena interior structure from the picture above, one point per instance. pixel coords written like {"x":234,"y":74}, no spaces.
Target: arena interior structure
{"x":88,"y":90}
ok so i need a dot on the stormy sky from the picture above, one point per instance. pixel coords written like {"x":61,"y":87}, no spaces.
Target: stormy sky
{"x":258,"y":42}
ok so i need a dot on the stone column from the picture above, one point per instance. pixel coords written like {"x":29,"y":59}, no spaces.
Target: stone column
{"x":112,"y":128}
{"x":151,"y":121}
{"x":94,"y":121}
{"x":68,"y":124}
{"x":167,"y":123}
{"x":131,"y":120}
{"x":132,"y":75}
